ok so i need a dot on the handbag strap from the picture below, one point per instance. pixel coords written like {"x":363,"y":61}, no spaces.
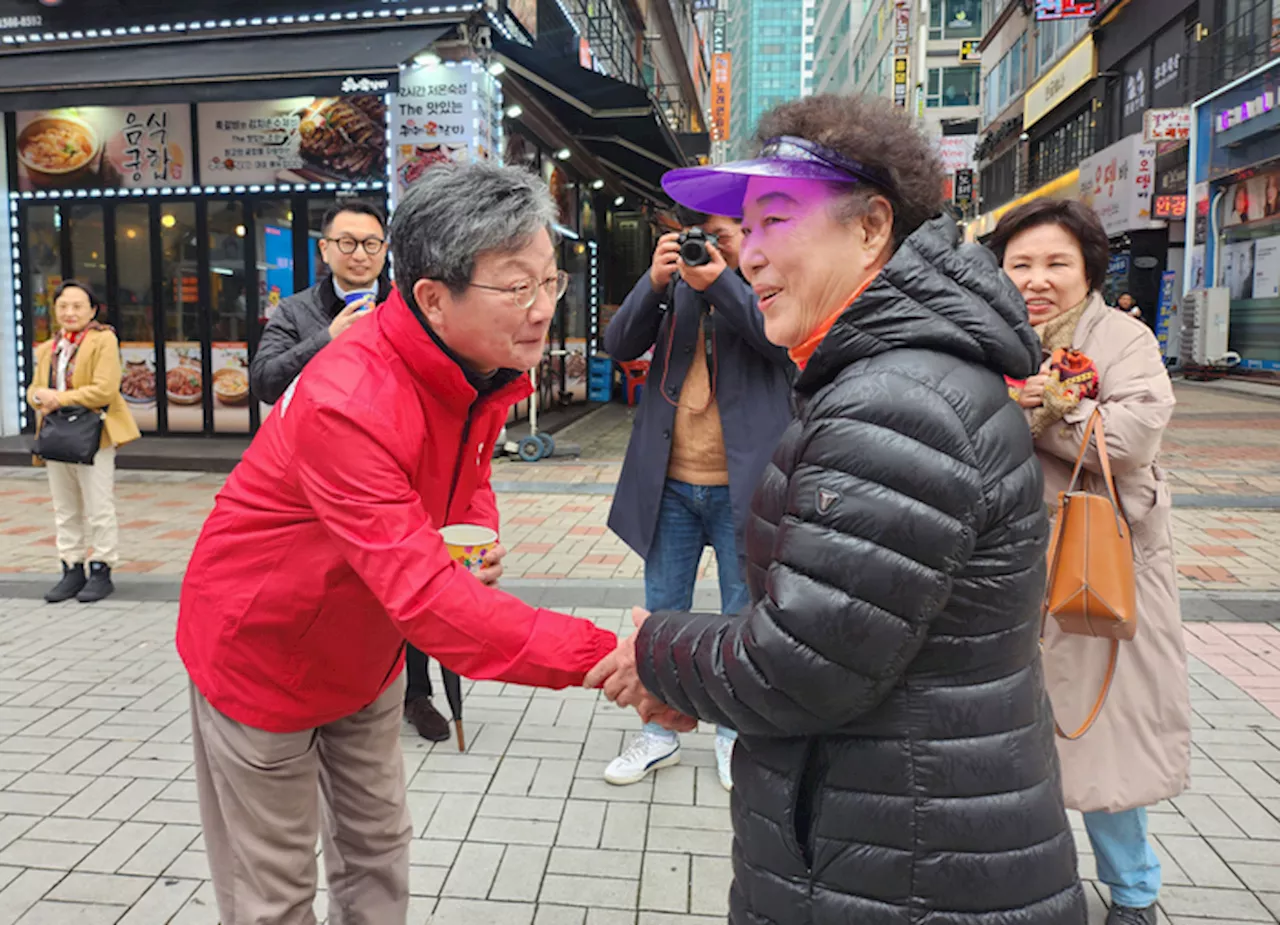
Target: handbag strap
{"x":1102,"y":697}
{"x":1095,"y":430}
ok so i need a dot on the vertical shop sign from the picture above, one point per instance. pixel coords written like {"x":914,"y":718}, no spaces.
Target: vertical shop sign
{"x":1164,"y":310}
{"x":721,"y":94}
{"x":900,"y":81}
{"x":442,"y":113}
{"x":964,"y":188}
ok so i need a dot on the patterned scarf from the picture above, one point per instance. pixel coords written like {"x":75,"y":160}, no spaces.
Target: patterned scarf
{"x":1072,"y":375}
{"x":68,"y":343}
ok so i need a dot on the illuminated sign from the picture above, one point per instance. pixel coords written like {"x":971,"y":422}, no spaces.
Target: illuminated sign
{"x":1241,"y":113}
{"x":1064,"y":9}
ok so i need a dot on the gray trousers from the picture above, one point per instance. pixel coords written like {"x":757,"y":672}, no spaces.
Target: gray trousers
{"x":264,"y":795}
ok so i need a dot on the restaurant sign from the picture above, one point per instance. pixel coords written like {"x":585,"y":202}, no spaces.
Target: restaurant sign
{"x":104,"y":147}
{"x":1064,"y":79}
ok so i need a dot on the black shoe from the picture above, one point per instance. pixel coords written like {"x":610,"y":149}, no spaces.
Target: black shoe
{"x":72,"y":581}
{"x":427,"y":719}
{"x":1128,"y":915}
{"x":99,"y":584}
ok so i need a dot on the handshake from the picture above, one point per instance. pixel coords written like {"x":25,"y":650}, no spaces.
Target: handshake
{"x":617,"y":674}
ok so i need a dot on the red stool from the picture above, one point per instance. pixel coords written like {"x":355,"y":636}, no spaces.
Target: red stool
{"x":634,"y":375}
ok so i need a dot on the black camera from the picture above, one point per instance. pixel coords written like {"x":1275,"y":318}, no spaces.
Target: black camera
{"x":693,"y":247}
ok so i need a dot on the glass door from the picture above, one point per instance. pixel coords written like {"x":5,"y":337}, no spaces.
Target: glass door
{"x":134,"y":311}
{"x":275,"y":275}
{"x":182,"y":361}
{"x":228,"y":302}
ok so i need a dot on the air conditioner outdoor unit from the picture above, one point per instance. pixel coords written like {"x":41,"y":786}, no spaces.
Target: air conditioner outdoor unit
{"x":1205,"y":325}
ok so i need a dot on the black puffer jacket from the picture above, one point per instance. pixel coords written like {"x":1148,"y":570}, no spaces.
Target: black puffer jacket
{"x":896,"y":761}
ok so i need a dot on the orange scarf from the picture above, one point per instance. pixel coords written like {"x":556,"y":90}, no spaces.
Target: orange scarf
{"x":802,"y":353}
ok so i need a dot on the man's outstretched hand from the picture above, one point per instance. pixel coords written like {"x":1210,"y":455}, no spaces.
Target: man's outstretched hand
{"x":618,"y":676}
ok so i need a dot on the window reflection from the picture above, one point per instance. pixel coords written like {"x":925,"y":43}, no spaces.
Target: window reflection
{"x":135,"y":316}
{"x":44,"y":256}
{"x":88,"y":248}
{"x":180,"y":297}
{"x":229,"y":317}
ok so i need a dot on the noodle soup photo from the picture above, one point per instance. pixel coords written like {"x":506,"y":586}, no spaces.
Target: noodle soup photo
{"x":59,"y":151}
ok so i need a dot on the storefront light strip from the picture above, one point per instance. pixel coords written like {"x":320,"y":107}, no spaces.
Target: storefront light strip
{"x":594,"y":248}
{"x":243,"y":23}
{"x":573,"y":23}
{"x":363,"y":185}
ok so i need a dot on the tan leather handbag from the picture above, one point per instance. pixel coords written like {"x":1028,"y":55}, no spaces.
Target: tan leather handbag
{"x":1090,"y":589}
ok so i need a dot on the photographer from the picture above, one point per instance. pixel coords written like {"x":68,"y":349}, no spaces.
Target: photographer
{"x":716,"y":401}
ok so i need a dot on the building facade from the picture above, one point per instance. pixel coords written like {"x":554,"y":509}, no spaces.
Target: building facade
{"x":769,"y":41}
{"x":206,"y":147}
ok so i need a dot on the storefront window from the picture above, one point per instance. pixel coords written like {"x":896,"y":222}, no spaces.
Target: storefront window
{"x":88,"y":247}
{"x":180,"y":298}
{"x":44,"y":259}
{"x":229,"y":317}
{"x":135,"y":313}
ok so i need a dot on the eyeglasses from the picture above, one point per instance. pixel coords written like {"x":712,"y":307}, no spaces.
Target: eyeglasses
{"x":525,"y":292}
{"x":372,"y":246}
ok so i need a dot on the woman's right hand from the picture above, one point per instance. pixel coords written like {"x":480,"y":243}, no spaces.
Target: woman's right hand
{"x":1033,"y":391}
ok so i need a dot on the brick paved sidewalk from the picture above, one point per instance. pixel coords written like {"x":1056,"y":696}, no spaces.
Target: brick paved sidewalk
{"x":98,"y":821}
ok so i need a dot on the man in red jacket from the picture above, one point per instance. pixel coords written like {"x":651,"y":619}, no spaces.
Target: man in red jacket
{"x":323,"y":554}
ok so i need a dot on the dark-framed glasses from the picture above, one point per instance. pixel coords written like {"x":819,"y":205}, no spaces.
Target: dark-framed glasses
{"x":372,"y":246}
{"x":525,"y":292}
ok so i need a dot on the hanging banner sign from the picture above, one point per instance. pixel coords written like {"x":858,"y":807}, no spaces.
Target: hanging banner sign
{"x":1166,"y":124}
{"x":445,"y":112}
{"x":721,"y":94}
{"x":900,"y":81}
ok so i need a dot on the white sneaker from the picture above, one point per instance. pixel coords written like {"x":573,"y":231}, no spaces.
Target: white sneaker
{"x":645,"y":753}
{"x":724,"y":760}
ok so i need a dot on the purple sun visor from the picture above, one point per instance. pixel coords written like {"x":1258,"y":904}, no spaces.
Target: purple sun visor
{"x":721,"y":188}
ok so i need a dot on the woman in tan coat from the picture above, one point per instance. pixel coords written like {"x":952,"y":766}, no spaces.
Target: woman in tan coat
{"x":1139,"y":750}
{"x":81,"y":366}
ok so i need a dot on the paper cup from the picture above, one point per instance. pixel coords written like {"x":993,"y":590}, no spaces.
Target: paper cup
{"x":469,"y":544}
{"x":360,"y":297}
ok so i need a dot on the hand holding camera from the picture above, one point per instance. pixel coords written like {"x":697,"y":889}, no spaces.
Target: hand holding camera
{"x":666,"y":261}
{"x":701,"y":262}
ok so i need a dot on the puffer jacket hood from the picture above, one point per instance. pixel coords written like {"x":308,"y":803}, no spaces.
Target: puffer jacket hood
{"x":933,"y":295}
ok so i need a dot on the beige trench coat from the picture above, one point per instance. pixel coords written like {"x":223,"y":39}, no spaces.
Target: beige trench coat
{"x":1139,"y":751}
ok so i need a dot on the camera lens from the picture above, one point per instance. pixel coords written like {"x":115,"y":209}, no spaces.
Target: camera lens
{"x":694,"y":252}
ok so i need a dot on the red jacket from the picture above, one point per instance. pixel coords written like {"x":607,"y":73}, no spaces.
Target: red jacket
{"x":323,"y":551}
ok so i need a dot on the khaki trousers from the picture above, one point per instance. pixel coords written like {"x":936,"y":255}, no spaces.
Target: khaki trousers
{"x":263,"y":796}
{"x":85,"y":496}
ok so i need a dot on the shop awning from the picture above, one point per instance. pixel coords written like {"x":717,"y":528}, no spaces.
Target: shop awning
{"x":617,"y":122}
{"x":261,"y":67}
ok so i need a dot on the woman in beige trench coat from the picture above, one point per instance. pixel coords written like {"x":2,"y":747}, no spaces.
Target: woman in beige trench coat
{"x":1139,"y":750}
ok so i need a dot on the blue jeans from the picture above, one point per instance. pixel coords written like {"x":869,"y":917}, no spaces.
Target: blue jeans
{"x":691,"y":517}
{"x":1126,"y":861}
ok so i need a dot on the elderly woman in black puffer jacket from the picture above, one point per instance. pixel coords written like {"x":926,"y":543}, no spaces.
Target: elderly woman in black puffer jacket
{"x":896,"y":760}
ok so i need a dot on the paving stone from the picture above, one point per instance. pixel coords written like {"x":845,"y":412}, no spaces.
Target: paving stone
{"x":512,"y":831}
{"x":1250,"y":816}
{"x":116,"y":851}
{"x":111,"y":889}
{"x":709,"y":890}
{"x":582,"y":861}
{"x":667,"y":918}
{"x":559,"y":915}
{"x":25,"y":891}
{"x":664,"y":884}
{"x":1203,"y":902}
{"x":1198,"y":860}
{"x":529,"y":808}
{"x":48,"y":912}
{"x":426,"y":881}
{"x":520,"y":874}
{"x":80,"y":831}
{"x":582,"y":824}
{"x":450,"y":911}
{"x":472,"y":874}
{"x":161,"y":850}
{"x":607,"y":892}
{"x":47,"y":855}
{"x":625,"y":827}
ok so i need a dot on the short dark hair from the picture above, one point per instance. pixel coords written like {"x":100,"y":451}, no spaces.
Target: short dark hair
{"x":356,"y":206}
{"x":76,"y":284}
{"x":688,"y":218}
{"x":877,"y":134}
{"x":1075,"y":217}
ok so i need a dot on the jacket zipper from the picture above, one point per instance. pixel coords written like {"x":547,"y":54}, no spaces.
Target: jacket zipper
{"x":453,"y":488}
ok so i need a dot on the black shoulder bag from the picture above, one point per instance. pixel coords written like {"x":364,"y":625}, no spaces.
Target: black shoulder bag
{"x":69,"y":435}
